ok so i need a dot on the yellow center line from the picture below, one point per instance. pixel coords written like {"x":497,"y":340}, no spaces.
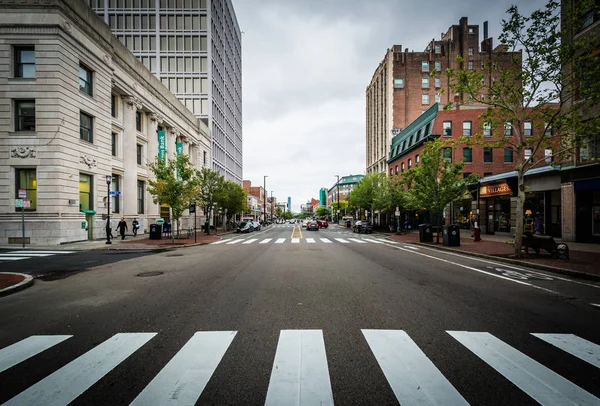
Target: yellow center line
{"x":299,"y":230}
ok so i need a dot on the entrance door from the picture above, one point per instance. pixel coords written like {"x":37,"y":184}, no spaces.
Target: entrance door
{"x":89,"y":218}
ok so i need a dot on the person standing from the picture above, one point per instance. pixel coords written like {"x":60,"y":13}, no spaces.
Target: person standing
{"x":121,"y":227}
{"x":136,"y":226}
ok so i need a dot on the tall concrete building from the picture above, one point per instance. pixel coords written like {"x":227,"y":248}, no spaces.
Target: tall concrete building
{"x":402,"y":87}
{"x":194,"y":48}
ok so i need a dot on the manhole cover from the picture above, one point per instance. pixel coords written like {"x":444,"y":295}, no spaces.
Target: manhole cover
{"x":153,"y":273}
{"x":174,"y":255}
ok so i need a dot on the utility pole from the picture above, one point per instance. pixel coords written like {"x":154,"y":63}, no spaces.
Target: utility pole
{"x":271,"y":205}
{"x":338,"y":198}
{"x":265,"y":197}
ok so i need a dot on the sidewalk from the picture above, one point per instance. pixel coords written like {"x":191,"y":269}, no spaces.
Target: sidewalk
{"x":583,"y":262}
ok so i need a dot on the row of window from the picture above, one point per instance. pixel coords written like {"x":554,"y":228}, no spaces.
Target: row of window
{"x":467,"y":129}
{"x":403,"y":167}
{"x":137,"y":22}
{"x":186,"y":4}
{"x":26,"y":179}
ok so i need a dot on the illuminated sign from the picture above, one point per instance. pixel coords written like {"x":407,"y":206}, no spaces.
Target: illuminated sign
{"x":495,"y":190}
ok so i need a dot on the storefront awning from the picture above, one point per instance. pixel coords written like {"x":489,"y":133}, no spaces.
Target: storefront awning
{"x":513,"y":174}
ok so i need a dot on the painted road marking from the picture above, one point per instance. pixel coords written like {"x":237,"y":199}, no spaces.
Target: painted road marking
{"x":184,"y":378}
{"x":412,"y":376}
{"x":325,"y":240}
{"x":310,"y":240}
{"x":27,"y":348}
{"x":357,"y":240}
{"x":374,"y":241}
{"x":384,"y":240}
{"x":574,"y":345}
{"x":250,"y":241}
{"x":295,"y":240}
{"x":266,"y":240}
{"x":342,"y":240}
{"x":70,"y":381}
{"x":280,"y":241}
{"x":20,"y":254}
{"x":220,"y":242}
{"x":300,"y":375}
{"x":541,"y":383}
{"x":595,"y":304}
{"x":27,"y":252}
{"x":411,"y":247}
{"x":235,"y":241}
{"x":12,"y":258}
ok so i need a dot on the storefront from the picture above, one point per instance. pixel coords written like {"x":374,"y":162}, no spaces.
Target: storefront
{"x":581,"y":192}
{"x":496,"y":199}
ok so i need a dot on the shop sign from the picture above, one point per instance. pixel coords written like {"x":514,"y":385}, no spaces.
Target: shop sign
{"x":495,"y":190}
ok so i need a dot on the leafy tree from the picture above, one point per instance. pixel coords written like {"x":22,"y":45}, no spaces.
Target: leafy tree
{"x":555,"y":87}
{"x":288,"y":215}
{"x":435,"y":182}
{"x":232,"y":197}
{"x":210,"y":185}
{"x":322,"y":211}
{"x":176,"y":184}
{"x":370,"y":193}
{"x":343,"y":205}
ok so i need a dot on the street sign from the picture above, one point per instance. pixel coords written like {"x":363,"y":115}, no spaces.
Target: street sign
{"x":114,"y":192}
{"x":22,"y":193}
{"x":18,"y":203}
{"x":26,"y":204}
{"x":397,"y":213}
{"x":193,"y":208}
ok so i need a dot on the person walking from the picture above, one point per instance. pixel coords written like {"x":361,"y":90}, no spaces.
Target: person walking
{"x":136,"y":227}
{"x":121,"y":227}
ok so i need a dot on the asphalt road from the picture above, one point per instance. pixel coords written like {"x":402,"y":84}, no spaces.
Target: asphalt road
{"x":262,"y":319}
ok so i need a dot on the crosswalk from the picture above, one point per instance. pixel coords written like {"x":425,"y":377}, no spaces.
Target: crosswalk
{"x":26,"y":254}
{"x":300,"y":373}
{"x":304,"y":240}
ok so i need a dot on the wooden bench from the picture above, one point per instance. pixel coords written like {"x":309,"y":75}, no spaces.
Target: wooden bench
{"x":544,"y":242}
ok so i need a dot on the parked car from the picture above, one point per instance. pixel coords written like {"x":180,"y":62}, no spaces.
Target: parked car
{"x":244,"y":227}
{"x":322,"y":223}
{"x":362,"y":226}
{"x":312,"y":225}
{"x":255,"y":226}
{"x":303,"y":222}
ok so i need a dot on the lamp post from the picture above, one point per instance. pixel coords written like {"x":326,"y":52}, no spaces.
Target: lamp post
{"x":108,"y":180}
{"x":265,"y":197}
{"x":338,"y":198}
{"x":271,"y":205}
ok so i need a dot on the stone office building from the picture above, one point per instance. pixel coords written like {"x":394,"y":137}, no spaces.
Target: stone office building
{"x":76,"y":109}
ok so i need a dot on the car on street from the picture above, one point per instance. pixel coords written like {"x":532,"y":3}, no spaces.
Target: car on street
{"x":322,"y":223}
{"x":312,"y":225}
{"x":255,"y":225}
{"x":362,"y":226}
{"x":244,"y":227}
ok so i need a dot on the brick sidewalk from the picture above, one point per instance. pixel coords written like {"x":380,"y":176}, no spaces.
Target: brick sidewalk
{"x":579,"y":262}
{"x":7,"y":280}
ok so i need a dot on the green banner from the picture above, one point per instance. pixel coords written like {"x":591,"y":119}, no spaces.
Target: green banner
{"x":162,"y":145}
{"x":179,"y":146}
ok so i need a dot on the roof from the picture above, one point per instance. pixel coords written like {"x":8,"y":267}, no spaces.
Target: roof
{"x":414,"y":134}
{"x":512,"y":174}
{"x":347,"y":180}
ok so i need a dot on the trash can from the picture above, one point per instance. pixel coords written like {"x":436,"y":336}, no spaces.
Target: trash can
{"x":155,"y":231}
{"x":451,"y":235}
{"x":348,"y":223}
{"x":425,"y":233}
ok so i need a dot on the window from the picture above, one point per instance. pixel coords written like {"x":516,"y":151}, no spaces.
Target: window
{"x":468,"y":155}
{"x":508,"y":129}
{"x":138,"y":121}
{"x":528,"y":153}
{"x":409,"y":163}
{"x":447,"y":153}
{"x":203,"y":157}
{"x":410,"y":140}
{"x":466,"y":129}
{"x":85,"y":80}
{"x":487,"y":154}
{"x":487,"y":174}
{"x":85,"y":127}
{"x":438,"y":66}
{"x":424,"y":99}
{"x":548,"y":155}
{"x":447,"y":128}
{"x":424,"y":82}
{"x":425,"y":66}
{"x":417,"y":159}
{"x":471,"y":30}
{"x":438,"y":49}
{"x":527,"y":129}
{"x":487,"y":129}
{"x":27,"y":180}
{"x":398,"y":83}
{"x":438,"y":82}
{"x":396,"y":169}
{"x":548,"y":132}
{"x":470,"y":51}
{"x":85,"y":192}
{"x":140,"y":196}
{"x":24,"y":62}
{"x":114,"y":137}
{"x":470,"y":65}
{"x":24,"y":115}
{"x":438,"y":98}
{"x":138,"y":152}
{"x":402,"y":167}
{"x":113,"y":105}
{"x":508,"y":155}
{"x":114,"y":199}
{"x":466,"y":175}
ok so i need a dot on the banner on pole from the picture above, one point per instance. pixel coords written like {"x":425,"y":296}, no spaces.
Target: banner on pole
{"x":162,"y":145}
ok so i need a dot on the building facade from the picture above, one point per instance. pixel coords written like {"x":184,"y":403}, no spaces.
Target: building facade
{"x":194,"y":48}
{"x":342,"y":188}
{"x":81,"y":115}
{"x":402,"y":87}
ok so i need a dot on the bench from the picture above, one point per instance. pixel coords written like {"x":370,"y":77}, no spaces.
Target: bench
{"x":544,"y":242}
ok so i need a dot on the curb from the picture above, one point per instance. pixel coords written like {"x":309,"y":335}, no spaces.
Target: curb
{"x":568,"y":272}
{"x":24,"y":284}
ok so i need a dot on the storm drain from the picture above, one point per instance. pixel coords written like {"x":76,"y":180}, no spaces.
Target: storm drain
{"x":153,"y":273}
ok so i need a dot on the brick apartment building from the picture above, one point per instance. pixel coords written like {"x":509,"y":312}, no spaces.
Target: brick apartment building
{"x":259,"y":193}
{"x":402,"y":87}
{"x":495,"y":193}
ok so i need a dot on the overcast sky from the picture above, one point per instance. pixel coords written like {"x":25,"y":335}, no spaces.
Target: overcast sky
{"x":305,"y":67}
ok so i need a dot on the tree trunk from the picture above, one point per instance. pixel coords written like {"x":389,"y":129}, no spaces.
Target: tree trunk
{"x":519,"y":213}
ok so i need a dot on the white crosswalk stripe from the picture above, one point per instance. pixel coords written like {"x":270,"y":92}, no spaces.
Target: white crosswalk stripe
{"x":250,"y":241}
{"x":295,"y":240}
{"x":220,"y":241}
{"x":325,"y":240}
{"x":310,"y":240}
{"x":280,"y":241}
{"x":357,"y":240}
{"x":538,"y":381}
{"x":265,"y":241}
{"x":27,"y":254}
{"x":342,"y":240}
{"x":235,"y":241}
{"x":300,"y":373}
{"x":183,"y":379}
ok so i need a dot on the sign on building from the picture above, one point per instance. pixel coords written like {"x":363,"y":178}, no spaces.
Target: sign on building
{"x":162,"y":145}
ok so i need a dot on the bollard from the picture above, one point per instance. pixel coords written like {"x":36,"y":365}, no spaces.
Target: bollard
{"x":476,"y":234}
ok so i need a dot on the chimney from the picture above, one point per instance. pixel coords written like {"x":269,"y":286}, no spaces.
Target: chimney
{"x":485,"y":29}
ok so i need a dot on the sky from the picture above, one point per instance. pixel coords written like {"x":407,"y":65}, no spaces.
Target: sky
{"x":305,"y":68}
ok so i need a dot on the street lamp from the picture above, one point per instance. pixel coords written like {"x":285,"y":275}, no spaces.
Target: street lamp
{"x":338,"y":198}
{"x":108,"y":229}
{"x":271,"y":205}
{"x":265,"y":197}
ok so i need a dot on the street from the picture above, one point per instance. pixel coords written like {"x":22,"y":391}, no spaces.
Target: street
{"x":288,"y":316}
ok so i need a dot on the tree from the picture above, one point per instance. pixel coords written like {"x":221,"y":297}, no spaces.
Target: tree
{"x":435,"y":182}
{"x":175,"y":184}
{"x":543,"y":90}
{"x":369,"y":193}
{"x":322,"y":211}
{"x":343,"y":205}
{"x":209,"y":186}
{"x":231,"y":197}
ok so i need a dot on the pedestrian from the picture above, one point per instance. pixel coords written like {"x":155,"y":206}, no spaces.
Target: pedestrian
{"x":121,"y":227}
{"x":136,"y":226}
{"x":109,"y":234}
